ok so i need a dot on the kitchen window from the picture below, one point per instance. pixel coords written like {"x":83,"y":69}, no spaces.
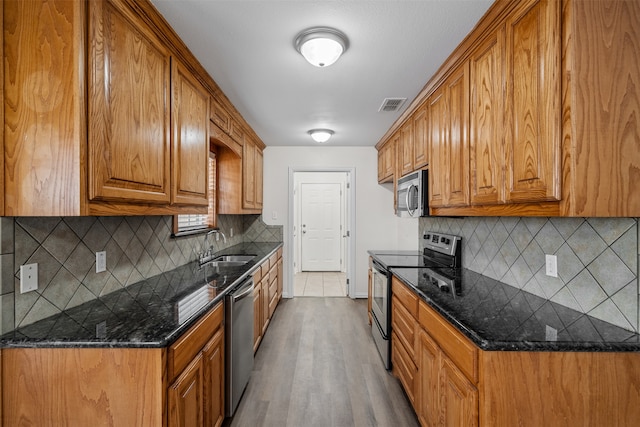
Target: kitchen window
{"x":198,"y":223}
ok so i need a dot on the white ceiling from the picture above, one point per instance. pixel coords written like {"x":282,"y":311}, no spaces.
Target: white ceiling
{"x":247,"y":47}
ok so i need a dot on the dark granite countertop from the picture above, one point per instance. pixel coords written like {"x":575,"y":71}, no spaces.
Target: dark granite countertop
{"x":150,"y":313}
{"x":496,"y":316}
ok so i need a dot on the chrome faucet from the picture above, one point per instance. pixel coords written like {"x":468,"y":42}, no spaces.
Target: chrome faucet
{"x":206,"y":254}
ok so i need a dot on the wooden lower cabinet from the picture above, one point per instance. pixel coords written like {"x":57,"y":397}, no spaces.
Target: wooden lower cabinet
{"x":404,"y":305}
{"x":267,"y":293}
{"x":181,"y":385}
{"x":257,"y":315}
{"x":186,"y":396}
{"x":457,"y":384}
{"x":213,"y":360}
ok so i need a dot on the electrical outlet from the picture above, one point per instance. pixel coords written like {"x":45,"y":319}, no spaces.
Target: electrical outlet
{"x":231,"y":232}
{"x":274,"y":215}
{"x":101,"y":261}
{"x":551,"y":263}
{"x":28,"y":277}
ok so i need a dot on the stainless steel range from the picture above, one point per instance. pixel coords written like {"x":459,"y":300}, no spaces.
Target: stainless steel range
{"x":441,"y":261}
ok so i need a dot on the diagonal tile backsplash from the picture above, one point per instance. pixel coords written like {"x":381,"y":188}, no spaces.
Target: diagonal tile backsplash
{"x":64,"y":248}
{"x":597,"y":259}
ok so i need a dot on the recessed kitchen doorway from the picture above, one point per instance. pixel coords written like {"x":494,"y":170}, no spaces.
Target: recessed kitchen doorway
{"x":320,"y":202}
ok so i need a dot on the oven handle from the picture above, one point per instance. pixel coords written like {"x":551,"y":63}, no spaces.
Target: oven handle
{"x":377,"y":323}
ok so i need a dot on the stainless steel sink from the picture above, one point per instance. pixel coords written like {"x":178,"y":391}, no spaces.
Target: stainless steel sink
{"x":230,"y":260}
{"x":242,"y":259}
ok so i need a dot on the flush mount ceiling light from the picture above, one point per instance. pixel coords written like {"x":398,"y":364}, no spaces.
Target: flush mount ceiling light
{"x":320,"y":135}
{"x":321,"y":46}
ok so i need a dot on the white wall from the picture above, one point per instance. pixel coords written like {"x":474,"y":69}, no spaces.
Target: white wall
{"x":376,"y":225}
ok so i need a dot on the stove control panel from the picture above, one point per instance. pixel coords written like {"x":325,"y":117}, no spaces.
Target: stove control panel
{"x":442,"y":243}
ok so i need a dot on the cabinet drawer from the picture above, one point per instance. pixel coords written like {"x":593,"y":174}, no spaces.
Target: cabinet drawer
{"x":279,"y":253}
{"x":408,"y":298}
{"x":273,"y":297}
{"x":182,"y":352}
{"x":403,"y":367}
{"x":273,"y":287}
{"x":265,"y":268}
{"x":257,"y":275}
{"x":457,"y":347}
{"x":273,"y":259}
{"x":404,"y":326}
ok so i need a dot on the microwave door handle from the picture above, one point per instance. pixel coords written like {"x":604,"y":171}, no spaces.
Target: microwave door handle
{"x":411,"y":212}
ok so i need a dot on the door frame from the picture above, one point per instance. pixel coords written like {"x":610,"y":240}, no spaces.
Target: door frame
{"x":351,"y":225}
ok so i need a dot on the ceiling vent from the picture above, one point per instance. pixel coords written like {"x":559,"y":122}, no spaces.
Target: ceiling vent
{"x":392,"y":104}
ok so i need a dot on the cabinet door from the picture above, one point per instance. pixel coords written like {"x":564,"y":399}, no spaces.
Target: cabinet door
{"x":248,"y":175}
{"x":420,"y":138}
{"x":438,"y":153}
{"x":404,"y":367}
{"x":533,"y":102}
{"x":257,"y":315}
{"x":280,"y":277}
{"x":213,"y":355}
{"x":458,"y":397}
{"x":370,"y":293}
{"x":259,"y":171}
{"x":428,"y":361}
{"x":486,"y":158}
{"x":44,"y":108}
{"x":129,"y":115}
{"x":265,"y":304}
{"x":190,"y":138}
{"x":186,"y":396}
{"x":406,"y":153}
{"x":457,"y":143}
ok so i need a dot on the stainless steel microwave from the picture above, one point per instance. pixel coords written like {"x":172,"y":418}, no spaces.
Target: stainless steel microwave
{"x":413,"y":196}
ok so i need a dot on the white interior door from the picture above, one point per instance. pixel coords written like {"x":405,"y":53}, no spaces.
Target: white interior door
{"x":320,"y":226}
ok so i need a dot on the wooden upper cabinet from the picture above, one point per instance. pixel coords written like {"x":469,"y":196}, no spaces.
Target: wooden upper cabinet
{"x":406,"y":150}
{"x":44,"y":110}
{"x":387,"y":162}
{"x":449,"y":141}
{"x":457,"y":177}
{"x":219,"y":116}
{"x":190,"y":138}
{"x":252,"y":169}
{"x":486,"y":154}
{"x":533,"y":102}
{"x":259,"y":166}
{"x":601,"y":106}
{"x":129,"y":109}
{"x":420,"y":137}
{"x":437,"y":141}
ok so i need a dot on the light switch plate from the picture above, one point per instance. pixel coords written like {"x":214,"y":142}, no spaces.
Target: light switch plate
{"x":28,"y":277}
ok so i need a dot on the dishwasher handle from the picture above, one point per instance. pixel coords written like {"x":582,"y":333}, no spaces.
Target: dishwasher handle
{"x":249,"y":290}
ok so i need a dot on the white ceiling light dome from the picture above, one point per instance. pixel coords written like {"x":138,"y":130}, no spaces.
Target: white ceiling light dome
{"x":321,"y":46}
{"x":320,"y":135}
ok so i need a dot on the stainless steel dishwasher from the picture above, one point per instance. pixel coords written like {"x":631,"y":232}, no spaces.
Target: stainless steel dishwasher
{"x":238,"y":343}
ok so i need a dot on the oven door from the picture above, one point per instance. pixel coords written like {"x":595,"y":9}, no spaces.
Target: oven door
{"x":380,"y":301}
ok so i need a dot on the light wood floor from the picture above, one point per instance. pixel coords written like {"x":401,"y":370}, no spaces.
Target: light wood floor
{"x":318,"y":366}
